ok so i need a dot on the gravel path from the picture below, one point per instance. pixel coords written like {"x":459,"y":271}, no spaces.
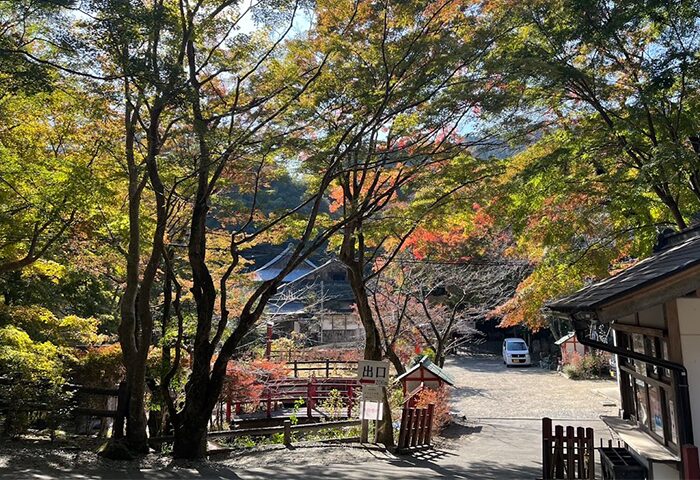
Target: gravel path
{"x":486,"y":389}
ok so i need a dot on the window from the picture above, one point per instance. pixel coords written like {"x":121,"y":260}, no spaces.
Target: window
{"x":518,"y":346}
{"x":648,"y":389}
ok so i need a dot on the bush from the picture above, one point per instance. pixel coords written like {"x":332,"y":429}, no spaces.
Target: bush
{"x":590,"y":365}
{"x":441,"y":412}
{"x":38,"y":351}
{"x":36,"y":373}
{"x":245,"y":380}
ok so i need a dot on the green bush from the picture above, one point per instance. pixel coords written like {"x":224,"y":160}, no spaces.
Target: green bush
{"x":38,"y":354}
{"x":35,"y":371}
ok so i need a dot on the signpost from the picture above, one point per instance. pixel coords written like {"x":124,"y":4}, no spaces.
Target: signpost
{"x":374,"y":376}
{"x":370,"y":371}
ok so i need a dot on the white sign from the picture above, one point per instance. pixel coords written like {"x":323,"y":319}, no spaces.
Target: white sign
{"x":371,"y":371}
{"x":371,"y":410}
{"x":372,"y":393}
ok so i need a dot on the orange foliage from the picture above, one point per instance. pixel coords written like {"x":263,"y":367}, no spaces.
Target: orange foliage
{"x":441,"y":412}
{"x":245,"y":381}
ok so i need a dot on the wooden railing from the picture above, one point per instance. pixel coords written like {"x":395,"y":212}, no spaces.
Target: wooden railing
{"x":326,"y":367}
{"x":287,"y":429}
{"x":567,"y":455}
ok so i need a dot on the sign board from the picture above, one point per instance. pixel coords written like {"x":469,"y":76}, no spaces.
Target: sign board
{"x":371,"y":411}
{"x":372,"y":393}
{"x":370,"y":371}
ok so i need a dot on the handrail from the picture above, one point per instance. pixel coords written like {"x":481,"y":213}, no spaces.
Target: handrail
{"x":264,"y":431}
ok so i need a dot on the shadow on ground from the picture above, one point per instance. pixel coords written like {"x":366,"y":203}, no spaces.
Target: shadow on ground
{"x":455,"y":431}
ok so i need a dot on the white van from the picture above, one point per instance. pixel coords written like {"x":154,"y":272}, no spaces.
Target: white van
{"x":515,"y":352}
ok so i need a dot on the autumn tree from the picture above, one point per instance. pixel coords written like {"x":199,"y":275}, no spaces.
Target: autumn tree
{"x":603,"y":95}
{"x":395,"y":98}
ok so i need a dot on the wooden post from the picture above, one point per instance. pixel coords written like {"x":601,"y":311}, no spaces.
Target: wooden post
{"x":691,"y":468}
{"x":228,"y":410}
{"x":415,"y":422}
{"x":328,"y":366}
{"x":350,"y":394}
{"x":570,"y":452}
{"x":431,"y":413}
{"x":558,"y":449}
{"x":308,"y":398}
{"x":403,"y":428}
{"x":591,"y":452}
{"x":287,"y":432}
{"x":546,"y":448}
{"x":296,"y":369}
{"x":423,"y":426}
{"x":364,"y":431}
{"x":269,"y":403}
{"x":581,"y":450}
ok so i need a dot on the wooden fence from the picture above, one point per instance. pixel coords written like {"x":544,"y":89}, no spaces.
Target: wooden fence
{"x":416,"y":428}
{"x":567,"y":455}
{"x":286,"y":429}
{"x":325,"y":367}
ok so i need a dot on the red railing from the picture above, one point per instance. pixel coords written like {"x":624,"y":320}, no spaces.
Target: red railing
{"x":312,"y":391}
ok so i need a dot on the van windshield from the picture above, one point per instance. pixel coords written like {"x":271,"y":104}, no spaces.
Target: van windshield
{"x":518,"y":346}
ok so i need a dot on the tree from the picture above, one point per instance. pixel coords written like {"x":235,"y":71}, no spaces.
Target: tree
{"x":395,"y":99}
{"x":603,"y":97}
{"x":441,"y":303}
{"x":29,"y":41}
{"x":619,"y":77}
{"x":52,"y":150}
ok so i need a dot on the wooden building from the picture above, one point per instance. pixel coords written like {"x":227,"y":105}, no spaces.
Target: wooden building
{"x":653,"y":308}
{"x":314,"y":299}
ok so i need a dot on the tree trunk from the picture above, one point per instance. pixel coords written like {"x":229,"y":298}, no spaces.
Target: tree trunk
{"x":373,"y":349}
{"x":191,"y":436}
{"x":136,"y":436}
{"x":395,"y":360}
{"x":440,"y":353}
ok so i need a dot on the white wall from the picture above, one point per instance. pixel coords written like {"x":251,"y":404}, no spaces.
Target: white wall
{"x":689,"y":325}
{"x":662,"y":471}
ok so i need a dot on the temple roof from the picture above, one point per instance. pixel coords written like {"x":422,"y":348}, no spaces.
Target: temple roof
{"x":273,"y":268}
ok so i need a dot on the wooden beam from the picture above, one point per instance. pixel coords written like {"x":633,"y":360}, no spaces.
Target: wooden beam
{"x":675,"y":353}
{"x":652,"y":332}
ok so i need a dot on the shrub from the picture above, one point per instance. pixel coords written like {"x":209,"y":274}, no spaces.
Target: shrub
{"x":590,"y":365}
{"x":36,"y":374}
{"x":42,"y":325}
{"x":38,"y":351}
{"x":334,"y":404}
{"x":100,"y":366}
{"x":441,"y":412}
{"x":245,"y":381}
